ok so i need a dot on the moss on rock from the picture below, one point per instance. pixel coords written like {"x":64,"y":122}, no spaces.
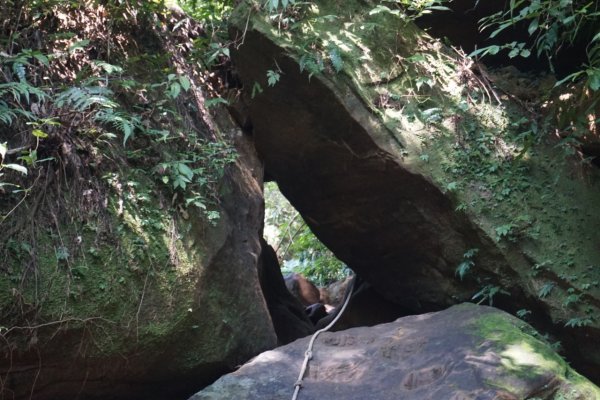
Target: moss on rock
{"x":418,"y":158}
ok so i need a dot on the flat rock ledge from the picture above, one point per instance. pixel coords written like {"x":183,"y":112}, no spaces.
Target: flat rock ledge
{"x":464,"y":352}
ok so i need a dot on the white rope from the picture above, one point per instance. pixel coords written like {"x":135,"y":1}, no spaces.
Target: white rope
{"x":308,"y":354}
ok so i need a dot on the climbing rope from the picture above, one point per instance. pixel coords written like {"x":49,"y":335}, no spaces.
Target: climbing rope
{"x":308,"y":354}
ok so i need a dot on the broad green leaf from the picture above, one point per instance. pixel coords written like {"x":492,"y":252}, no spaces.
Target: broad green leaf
{"x":494,"y":50}
{"x":174,"y":90}
{"x":213,"y":102}
{"x":533,"y":26}
{"x":500,"y":29}
{"x":185,"y":170}
{"x":594,"y":78}
{"x":16,"y":167}
{"x":568,"y":20}
{"x":380,"y":9}
{"x":185,"y":83}
{"x":108,"y":68}
{"x":485,"y":50}
{"x":41,"y":58}
{"x":38,"y":133}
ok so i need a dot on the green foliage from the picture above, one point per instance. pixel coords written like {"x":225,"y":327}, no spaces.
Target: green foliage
{"x":108,"y":98}
{"x":551,"y":24}
{"x":275,"y":5}
{"x":196,"y":177}
{"x":273,"y":77}
{"x":410,"y":9}
{"x":578,"y":322}
{"x":546,"y":289}
{"x":465,"y":266}
{"x":504,"y":231}
{"x":297,"y":247}
{"x":487,"y":293}
{"x":209,"y":11}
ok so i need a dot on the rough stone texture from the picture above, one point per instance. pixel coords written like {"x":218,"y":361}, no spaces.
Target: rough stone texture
{"x":465,"y":352}
{"x":366,"y":307}
{"x":333,"y":294}
{"x":213,"y":318}
{"x":289,"y":318}
{"x":374,"y":186}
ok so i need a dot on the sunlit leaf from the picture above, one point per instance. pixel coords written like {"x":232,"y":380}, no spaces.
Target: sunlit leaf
{"x":16,"y":167}
{"x":38,"y":133}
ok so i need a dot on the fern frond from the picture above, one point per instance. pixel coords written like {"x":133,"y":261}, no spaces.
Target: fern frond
{"x":84,"y":98}
{"x":336,"y":59}
{"x":8,"y":113}
{"x":22,"y":89}
{"x":122,"y":121}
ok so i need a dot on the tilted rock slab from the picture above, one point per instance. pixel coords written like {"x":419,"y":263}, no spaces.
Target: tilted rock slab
{"x":464,"y":352}
{"x":404,"y":164}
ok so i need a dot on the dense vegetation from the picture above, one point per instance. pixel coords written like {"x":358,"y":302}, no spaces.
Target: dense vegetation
{"x":298,"y":249}
{"x":102,"y":131}
{"x":106,"y":153}
{"x":83,"y":84}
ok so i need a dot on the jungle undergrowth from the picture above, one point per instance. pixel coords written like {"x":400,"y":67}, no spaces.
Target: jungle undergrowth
{"x":92,"y":126}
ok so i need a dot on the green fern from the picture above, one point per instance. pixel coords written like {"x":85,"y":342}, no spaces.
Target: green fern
{"x":18,"y":90}
{"x":122,"y":121}
{"x":335,"y":58}
{"x":311,"y":63}
{"x":84,"y":98}
{"x":9,"y":114}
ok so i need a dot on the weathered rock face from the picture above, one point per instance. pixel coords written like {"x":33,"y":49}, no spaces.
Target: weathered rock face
{"x":432,"y":196}
{"x":464,"y":352}
{"x":366,"y":307}
{"x":211,"y":318}
{"x":287,"y":313}
{"x":111,"y":287}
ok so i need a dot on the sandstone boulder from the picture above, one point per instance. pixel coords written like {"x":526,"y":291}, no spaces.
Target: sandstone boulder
{"x":465,"y":352}
{"x":397,"y":154}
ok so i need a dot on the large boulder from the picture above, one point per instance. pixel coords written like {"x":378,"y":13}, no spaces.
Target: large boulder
{"x":464,"y":352}
{"x":173,"y":307}
{"x":112,"y":284}
{"x":414,"y":171}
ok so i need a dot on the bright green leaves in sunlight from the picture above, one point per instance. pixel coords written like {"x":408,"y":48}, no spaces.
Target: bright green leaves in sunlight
{"x":297,"y":248}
